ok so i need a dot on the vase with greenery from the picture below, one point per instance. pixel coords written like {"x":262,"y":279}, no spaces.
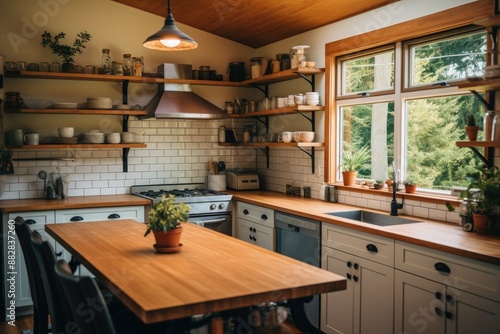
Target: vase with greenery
{"x":471,"y":127}
{"x":66,"y":52}
{"x":166,"y":217}
{"x":483,"y":199}
{"x":352,"y":160}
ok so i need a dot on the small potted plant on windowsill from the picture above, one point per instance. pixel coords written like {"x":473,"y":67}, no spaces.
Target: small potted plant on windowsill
{"x":66,"y":52}
{"x":164,"y":220}
{"x":379,"y":184}
{"x":410,"y":186}
{"x":352,"y":160}
{"x":471,"y":128}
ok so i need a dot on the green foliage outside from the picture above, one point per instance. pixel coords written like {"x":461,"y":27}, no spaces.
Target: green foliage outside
{"x":434,"y":124}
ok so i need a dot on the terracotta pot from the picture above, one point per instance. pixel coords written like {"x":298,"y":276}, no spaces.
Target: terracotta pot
{"x":481,"y":224}
{"x":349,"y":178}
{"x":389,"y":184}
{"x":170,"y":239}
{"x":411,"y":189}
{"x":472,"y":132}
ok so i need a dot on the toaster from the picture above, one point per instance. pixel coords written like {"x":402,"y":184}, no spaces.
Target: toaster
{"x":242,"y":180}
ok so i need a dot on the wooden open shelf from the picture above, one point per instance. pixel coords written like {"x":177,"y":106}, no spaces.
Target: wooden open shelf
{"x":77,"y":146}
{"x":274,"y":144}
{"x":118,"y":112}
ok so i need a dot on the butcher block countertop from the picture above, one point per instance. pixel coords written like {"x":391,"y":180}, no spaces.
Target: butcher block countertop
{"x":441,"y":236}
{"x":18,"y":205}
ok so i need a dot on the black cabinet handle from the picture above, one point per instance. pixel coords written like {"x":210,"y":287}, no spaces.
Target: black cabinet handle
{"x":355,"y":278}
{"x":76,"y":219}
{"x":448,"y":315}
{"x":349,"y":264}
{"x":449,"y":298}
{"x":113,"y":216}
{"x":442,"y":267}
{"x":372,"y":248}
{"x":438,"y":295}
{"x":438,"y":311}
{"x":59,"y":254}
{"x":30,"y":221}
{"x":245,"y":212}
{"x":356,"y":266}
{"x":348,"y":276}
{"x":263,"y":217}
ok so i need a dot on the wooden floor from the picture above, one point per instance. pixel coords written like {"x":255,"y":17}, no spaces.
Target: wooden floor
{"x":26,"y":322}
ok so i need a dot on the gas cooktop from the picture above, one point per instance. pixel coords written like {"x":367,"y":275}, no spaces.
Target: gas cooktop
{"x":186,"y":193}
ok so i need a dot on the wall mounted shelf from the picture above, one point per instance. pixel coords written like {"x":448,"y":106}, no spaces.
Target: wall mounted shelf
{"x":488,"y":145}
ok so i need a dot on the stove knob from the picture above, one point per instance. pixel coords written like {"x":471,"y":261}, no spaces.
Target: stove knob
{"x":221,"y":206}
{"x":213,"y":207}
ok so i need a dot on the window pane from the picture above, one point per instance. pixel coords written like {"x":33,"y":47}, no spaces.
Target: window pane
{"x":370,"y":125}
{"x":447,"y":59}
{"x":368,"y":73}
{"x":434,"y":125}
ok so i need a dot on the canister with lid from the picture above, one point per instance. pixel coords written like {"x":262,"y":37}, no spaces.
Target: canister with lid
{"x":236,"y":71}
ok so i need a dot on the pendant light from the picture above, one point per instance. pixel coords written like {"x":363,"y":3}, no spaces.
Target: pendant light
{"x":170,"y":38}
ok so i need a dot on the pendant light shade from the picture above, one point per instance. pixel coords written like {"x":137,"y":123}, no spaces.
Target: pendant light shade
{"x":170,"y":38}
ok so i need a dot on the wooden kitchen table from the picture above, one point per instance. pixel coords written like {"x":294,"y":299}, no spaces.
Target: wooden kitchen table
{"x":212,"y":272}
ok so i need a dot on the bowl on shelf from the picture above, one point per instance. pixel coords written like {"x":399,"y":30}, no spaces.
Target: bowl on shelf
{"x":296,"y":136}
{"x":66,"y":132}
{"x":113,"y":138}
{"x":306,"y":136}
{"x":93,"y":137}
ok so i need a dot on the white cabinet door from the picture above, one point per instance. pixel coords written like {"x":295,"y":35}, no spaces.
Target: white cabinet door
{"x":366,"y":306}
{"x":419,"y":305}
{"x":245,"y":230}
{"x":337,"y":308}
{"x":469,"y":313}
{"x":264,"y":236}
{"x":108,"y":213}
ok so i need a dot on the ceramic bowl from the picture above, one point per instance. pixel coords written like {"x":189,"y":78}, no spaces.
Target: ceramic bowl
{"x":113,"y":138}
{"x":311,"y":64}
{"x":66,"y":132}
{"x":296,"y":136}
{"x":286,"y":136}
{"x":306,"y":136}
{"x":128,"y":137}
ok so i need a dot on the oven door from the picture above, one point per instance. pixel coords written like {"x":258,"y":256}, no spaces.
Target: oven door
{"x":217,"y":222}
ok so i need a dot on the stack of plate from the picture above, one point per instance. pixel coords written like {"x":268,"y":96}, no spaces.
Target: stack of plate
{"x":69,"y":105}
{"x":99,"y":103}
{"x":93,"y":137}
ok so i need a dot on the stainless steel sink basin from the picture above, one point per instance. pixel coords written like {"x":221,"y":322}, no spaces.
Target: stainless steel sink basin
{"x":373,"y":218}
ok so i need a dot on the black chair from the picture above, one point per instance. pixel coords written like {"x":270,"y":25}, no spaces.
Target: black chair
{"x":40,"y":307}
{"x":59,"y":308}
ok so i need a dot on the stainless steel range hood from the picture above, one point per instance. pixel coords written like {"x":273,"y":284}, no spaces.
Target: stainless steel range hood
{"x":177,"y":100}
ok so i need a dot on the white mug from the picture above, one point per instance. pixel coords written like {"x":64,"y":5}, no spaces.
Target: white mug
{"x":32,"y":139}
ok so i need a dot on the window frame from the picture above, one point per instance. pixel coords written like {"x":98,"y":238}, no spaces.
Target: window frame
{"x":452,"y":18}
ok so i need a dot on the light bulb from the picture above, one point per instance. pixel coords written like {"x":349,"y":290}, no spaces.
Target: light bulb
{"x":170,"y":43}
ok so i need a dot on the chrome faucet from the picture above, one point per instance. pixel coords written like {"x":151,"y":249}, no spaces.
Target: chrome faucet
{"x":395,"y":206}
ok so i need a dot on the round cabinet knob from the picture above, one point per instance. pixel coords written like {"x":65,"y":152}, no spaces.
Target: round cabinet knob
{"x":221,"y":206}
{"x":349,"y":264}
{"x":263,"y":217}
{"x":213,"y":206}
{"x":245,"y":212}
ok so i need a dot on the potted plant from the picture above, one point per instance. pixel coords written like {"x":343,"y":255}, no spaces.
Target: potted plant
{"x":66,"y":52}
{"x":483,"y":200}
{"x":410,"y":186}
{"x":379,"y":184}
{"x":165,"y":219}
{"x":352,"y":160}
{"x":471,"y":127}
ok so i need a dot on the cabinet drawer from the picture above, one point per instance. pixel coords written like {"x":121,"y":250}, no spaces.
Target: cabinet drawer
{"x":121,"y":212}
{"x":473,"y":276}
{"x":365,"y":245}
{"x":39,"y":218}
{"x":256,"y":214}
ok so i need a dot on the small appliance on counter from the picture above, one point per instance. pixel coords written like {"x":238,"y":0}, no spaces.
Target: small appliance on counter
{"x":240,"y":179}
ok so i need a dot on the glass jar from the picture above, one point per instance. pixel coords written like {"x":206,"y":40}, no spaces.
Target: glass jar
{"x":204,"y":72}
{"x":222,"y":134}
{"x":119,"y":69}
{"x":106,"y":61}
{"x":137,"y":66}
{"x":256,"y":67}
{"x":229,"y":107}
{"x":246,"y":136}
{"x":127,"y":64}
{"x":55,"y":67}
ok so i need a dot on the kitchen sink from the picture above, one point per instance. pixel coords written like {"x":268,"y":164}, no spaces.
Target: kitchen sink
{"x":373,"y":218}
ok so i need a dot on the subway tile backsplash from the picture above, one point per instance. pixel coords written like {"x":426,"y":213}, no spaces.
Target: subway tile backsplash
{"x":178,"y":152}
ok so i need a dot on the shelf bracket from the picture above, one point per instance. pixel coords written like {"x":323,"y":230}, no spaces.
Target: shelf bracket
{"x":125,"y":91}
{"x":125,"y":123}
{"x":311,"y":81}
{"x":487,"y":105}
{"x":264,"y":89}
{"x":310,"y":119}
{"x":311,"y":155}
{"x":126,"y":150}
{"x":491,"y":151}
{"x":265,"y":150}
